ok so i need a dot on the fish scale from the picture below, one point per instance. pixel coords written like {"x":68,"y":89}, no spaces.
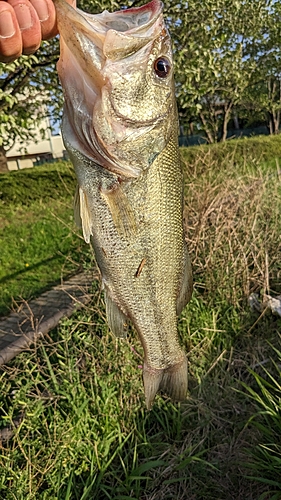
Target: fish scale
{"x":123,"y":141}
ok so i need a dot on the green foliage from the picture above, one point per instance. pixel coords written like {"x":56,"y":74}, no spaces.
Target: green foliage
{"x":265,"y":459}
{"x":72,"y":418}
{"x":53,"y":181}
{"x":223,"y":63}
{"x":29,"y":90}
{"x":86,"y":434}
{"x":39,"y":240}
{"x":221,"y":53}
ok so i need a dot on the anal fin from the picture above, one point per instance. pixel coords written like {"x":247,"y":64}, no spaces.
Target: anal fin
{"x":117,"y":321}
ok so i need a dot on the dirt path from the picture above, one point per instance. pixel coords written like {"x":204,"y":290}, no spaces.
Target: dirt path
{"x":39,"y":316}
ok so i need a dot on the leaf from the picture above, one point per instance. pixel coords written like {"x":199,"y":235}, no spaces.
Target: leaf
{"x":152,"y":464}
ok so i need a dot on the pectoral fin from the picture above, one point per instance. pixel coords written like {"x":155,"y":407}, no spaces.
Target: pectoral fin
{"x":186,"y":285}
{"x":82,"y":215}
{"x":121,"y":211}
{"x":117,"y":321}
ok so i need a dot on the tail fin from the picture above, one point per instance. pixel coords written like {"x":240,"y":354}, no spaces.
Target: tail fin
{"x":172,"y":381}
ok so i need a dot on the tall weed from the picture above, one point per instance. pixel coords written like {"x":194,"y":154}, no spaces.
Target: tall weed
{"x":265,"y":458}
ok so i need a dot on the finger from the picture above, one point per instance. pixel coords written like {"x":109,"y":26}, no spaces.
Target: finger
{"x":10,"y":35}
{"x":47,"y":16}
{"x":29,"y":25}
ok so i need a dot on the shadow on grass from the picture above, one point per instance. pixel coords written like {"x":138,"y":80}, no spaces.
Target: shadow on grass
{"x":8,"y":303}
{"x":27,"y":269}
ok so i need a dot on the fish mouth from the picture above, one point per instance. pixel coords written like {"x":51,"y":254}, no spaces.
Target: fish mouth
{"x":131,"y":20}
{"x":117,"y":34}
{"x":90,"y":43}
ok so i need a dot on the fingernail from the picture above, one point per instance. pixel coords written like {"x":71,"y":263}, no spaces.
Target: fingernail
{"x":41,"y":8}
{"x":7,"y":28}
{"x":23,"y":16}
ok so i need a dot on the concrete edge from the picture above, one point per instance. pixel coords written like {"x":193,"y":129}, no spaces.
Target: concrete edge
{"x":25,"y":340}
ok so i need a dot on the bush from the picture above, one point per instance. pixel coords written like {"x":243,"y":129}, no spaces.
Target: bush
{"x":54,"y":181}
{"x":260,"y":148}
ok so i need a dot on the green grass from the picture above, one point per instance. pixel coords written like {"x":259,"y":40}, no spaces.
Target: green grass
{"x":72,"y":415}
{"x":258,"y":148}
{"x":54,"y":181}
{"x":265,"y":461}
{"x":39,"y":241}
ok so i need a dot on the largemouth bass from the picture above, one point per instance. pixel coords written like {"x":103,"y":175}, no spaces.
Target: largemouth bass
{"x":120,"y":128}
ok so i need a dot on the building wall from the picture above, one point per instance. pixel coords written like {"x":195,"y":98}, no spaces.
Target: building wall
{"x":25,"y":155}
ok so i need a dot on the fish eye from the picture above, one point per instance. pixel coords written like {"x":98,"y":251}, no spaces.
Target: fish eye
{"x":162,"y":67}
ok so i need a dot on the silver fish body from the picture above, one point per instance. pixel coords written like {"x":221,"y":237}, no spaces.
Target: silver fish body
{"x":121,"y":131}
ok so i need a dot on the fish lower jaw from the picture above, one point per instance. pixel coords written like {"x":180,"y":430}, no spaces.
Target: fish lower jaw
{"x":171,"y":380}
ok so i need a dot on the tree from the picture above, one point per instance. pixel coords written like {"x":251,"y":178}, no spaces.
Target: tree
{"x":216,"y":56}
{"x":29,"y":87}
{"x":264,"y":92}
{"x":225,"y":52}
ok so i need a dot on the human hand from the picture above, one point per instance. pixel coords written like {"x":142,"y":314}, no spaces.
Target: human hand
{"x":23,"y":24}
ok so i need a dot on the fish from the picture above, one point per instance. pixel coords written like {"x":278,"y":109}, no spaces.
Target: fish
{"x":120,"y":128}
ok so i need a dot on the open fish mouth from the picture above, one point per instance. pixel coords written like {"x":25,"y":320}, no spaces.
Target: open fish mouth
{"x":135,"y":21}
{"x":105,"y":57}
